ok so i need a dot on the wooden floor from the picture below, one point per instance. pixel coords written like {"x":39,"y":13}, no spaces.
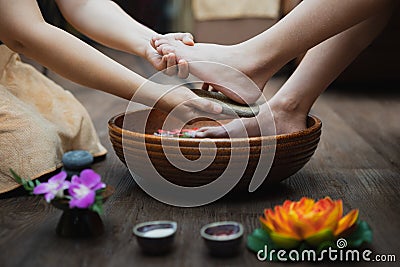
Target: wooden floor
{"x":358,"y":160}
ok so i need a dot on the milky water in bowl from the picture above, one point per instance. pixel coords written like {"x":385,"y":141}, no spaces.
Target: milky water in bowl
{"x":158,"y":233}
{"x":157,"y":230}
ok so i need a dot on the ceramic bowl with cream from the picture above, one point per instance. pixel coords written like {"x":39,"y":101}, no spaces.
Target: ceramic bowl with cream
{"x":155,"y":237}
{"x":222,"y":238}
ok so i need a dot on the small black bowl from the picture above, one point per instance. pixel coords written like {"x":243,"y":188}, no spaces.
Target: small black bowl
{"x":223,"y":239}
{"x":156,"y":237}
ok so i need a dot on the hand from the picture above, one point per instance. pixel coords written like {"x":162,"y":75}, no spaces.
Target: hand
{"x":169,"y":62}
{"x":187,"y":106}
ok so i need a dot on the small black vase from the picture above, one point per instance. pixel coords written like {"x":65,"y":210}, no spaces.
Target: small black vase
{"x":80,"y":223}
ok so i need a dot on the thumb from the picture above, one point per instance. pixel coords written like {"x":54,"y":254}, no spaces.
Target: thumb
{"x":154,"y":39}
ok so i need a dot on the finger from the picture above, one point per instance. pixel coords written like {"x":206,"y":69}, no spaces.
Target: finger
{"x":156,"y":37}
{"x":213,"y":89}
{"x":153,"y":41}
{"x":161,"y":48}
{"x":171,"y":65}
{"x":205,"y":86}
{"x":208,"y":87}
{"x":205,"y":105}
{"x":165,"y":49}
{"x":153,"y":44}
{"x":159,"y":42}
{"x":183,"y":69}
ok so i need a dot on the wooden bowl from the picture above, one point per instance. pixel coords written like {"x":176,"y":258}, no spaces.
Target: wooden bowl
{"x":292,"y":151}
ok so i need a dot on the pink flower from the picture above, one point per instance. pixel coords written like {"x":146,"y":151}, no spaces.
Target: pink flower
{"x":83,"y":189}
{"x":54,"y":187}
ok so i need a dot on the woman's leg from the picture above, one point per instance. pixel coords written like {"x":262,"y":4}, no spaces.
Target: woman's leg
{"x":319,"y":68}
{"x":310,"y":23}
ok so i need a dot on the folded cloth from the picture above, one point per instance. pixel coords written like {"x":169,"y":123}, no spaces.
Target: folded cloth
{"x":39,"y":121}
{"x":228,"y":9}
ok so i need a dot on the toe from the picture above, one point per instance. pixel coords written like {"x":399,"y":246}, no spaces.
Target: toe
{"x":216,"y":132}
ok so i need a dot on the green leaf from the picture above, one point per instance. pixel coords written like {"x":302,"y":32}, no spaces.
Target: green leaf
{"x":97,"y":207}
{"x":27,"y":184}
{"x":321,"y":236}
{"x":100,"y":191}
{"x":31,"y":184}
{"x":282,"y":241}
{"x":362,"y":234}
{"x":16,"y":177}
{"x":258,"y":240}
{"x":325,"y":245}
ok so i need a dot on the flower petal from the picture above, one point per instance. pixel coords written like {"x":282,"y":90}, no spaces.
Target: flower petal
{"x":99,"y":186}
{"x":75,"y":179}
{"x":279,"y":221}
{"x":346,"y":222}
{"x":72,"y":188}
{"x":41,"y":189}
{"x":84,"y":202}
{"x":66,"y":185}
{"x":266,"y":224}
{"x":49,"y":197}
{"x":90,"y":178}
{"x":325,"y":215}
{"x":58,"y":178}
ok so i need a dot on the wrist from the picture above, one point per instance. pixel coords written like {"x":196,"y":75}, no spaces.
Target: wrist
{"x":149,"y":93}
{"x":142,"y":45}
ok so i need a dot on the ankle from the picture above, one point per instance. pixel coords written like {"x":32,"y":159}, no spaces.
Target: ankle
{"x":287,"y":105}
{"x":256,"y":60}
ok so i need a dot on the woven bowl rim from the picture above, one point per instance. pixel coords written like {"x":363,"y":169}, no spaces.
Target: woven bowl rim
{"x":155,"y":139}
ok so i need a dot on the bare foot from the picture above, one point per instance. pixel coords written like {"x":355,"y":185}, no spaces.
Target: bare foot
{"x":285,"y":122}
{"x":223,"y":67}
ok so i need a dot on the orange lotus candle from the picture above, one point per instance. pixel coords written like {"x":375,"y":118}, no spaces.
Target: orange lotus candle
{"x":309,"y":224}
{"x":307,"y":220}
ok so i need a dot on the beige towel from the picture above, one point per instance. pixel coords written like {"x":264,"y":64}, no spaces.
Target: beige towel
{"x":235,"y":9}
{"x":39,"y":121}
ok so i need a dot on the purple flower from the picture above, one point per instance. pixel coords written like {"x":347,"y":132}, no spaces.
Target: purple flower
{"x":83,"y":189}
{"x":54,"y":187}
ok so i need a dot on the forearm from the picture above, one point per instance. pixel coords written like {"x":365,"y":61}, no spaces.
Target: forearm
{"x":105,"y":22}
{"x":77,"y":61}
